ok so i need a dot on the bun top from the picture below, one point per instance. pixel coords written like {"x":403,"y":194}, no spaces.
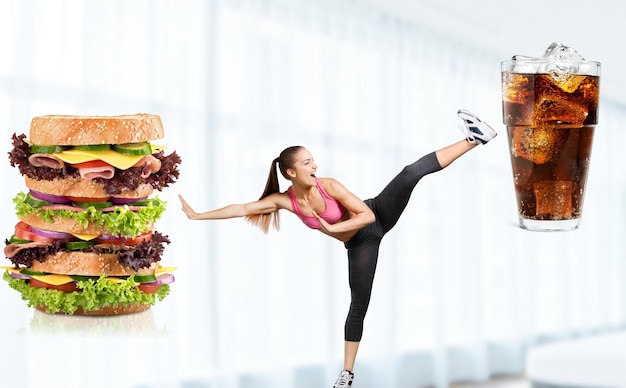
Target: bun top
{"x":87,"y":130}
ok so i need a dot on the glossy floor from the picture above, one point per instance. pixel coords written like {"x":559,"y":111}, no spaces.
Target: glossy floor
{"x":500,"y":382}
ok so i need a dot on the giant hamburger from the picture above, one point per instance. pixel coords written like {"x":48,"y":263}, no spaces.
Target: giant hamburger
{"x":85,"y":241}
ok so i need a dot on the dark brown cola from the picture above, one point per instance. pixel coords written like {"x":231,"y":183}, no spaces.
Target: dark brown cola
{"x":550,"y":123}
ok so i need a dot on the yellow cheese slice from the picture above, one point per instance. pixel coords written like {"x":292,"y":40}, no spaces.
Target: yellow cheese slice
{"x":164,"y":270}
{"x":85,"y":237}
{"x":57,"y":280}
{"x":49,"y":279}
{"x":115,"y":159}
{"x":115,"y":280}
{"x":54,"y":279}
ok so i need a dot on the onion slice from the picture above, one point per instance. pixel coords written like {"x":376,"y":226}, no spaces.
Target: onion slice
{"x":106,"y":237}
{"x":163,"y":279}
{"x":50,"y":233}
{"x":122,"y":201}
{"x":17,"y":275}
{"x":49,"y":197}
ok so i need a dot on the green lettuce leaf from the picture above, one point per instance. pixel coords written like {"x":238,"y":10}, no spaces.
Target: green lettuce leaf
{"x":120,"y":222}
{"x":95,"y":294}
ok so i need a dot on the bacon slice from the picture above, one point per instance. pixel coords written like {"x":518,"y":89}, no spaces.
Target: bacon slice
{"x":46,"y":160}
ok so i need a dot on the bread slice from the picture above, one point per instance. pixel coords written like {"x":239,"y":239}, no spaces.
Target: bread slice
{"x":86,"y":264}
{"x":79,"y":187}
{"x":87,"y":130}
{"x":68,"y":225}
{"x":119,"y":309}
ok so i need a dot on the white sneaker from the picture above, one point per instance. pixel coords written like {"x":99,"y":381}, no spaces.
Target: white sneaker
{"x":475,"y":130}
{"x":344,"y":380}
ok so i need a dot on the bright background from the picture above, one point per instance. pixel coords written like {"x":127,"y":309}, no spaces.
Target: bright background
{"x":461,"y":292}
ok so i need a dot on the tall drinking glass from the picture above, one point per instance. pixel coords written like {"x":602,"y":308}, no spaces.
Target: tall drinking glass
{"x":550,"y":109}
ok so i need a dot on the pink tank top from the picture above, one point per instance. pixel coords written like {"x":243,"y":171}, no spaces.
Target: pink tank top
{"x":333,"y":212}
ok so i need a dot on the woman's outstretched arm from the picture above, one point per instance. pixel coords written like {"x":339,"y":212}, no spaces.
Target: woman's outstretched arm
{"x":266,"y":205}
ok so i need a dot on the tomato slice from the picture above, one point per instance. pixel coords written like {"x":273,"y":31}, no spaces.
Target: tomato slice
{"x":23,"y":232}
{"x":22,"y":226}
{"x":87,"y":199}
{"x":126,"y":241}
{"x":149,"y":288}
{"x":67,"y":287}
{"x":91,"y":164}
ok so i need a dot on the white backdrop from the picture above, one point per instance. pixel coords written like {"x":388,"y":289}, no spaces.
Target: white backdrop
{"x":460,"y":292}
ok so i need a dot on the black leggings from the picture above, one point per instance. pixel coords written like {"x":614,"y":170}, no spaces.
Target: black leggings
{"x":363,"y":247}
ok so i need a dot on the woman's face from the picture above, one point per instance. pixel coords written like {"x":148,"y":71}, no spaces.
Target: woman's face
{"x":304,"y":167}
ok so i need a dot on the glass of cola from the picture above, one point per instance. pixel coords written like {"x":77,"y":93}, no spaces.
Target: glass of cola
{"x":550,"y":109}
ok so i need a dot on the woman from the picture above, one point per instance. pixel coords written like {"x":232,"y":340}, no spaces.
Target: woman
{"x":326,"y":205}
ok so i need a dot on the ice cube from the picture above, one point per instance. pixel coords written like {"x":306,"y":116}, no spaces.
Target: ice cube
{"x":523,"y":64}
{"x":568,"y":82}
{"x":553,"y":106}
{"x":538,"y":145}
{"x":563,"y":65}
{"x":549,"y":110}
{"x":560,"y":53}
{"x":563,"y":76}
{"x":517,"y":88}
{"x":554,"y":198}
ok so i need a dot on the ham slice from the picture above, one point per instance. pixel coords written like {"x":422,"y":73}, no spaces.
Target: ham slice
{"x":113,"y":208}
{"x":12,"y":249}
{"x":150,"y":165}
{"x":46,"y":160}
{"x":105,"y":172}
{"x":59,"y":206}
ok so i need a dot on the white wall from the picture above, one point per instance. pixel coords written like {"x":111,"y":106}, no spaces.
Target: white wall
{"x":460,"y":292}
